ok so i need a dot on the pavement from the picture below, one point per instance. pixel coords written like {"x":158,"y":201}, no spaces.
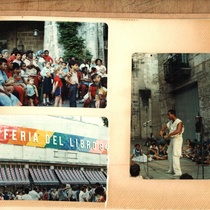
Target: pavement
{"x":65,"y":104}
{"x":156,"y":169}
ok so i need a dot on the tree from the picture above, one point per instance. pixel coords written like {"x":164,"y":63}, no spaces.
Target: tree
{"x":74,"y":45}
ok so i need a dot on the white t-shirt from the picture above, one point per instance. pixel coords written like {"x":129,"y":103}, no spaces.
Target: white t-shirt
{"x":172,"y":126}
{"x":82,"y":195}
{"x":34,"y":195}
{"x":19,"y":197}
{"x":26,"y":197}
{"x":99,"y":68}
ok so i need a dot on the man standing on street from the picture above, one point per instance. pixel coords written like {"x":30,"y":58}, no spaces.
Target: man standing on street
{"x":176,"y":128}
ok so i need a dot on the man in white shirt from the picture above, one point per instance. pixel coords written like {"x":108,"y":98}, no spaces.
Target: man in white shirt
{"x":26,"y":196}
{"x":33,"y":193}
{"x":176,"y":129}
{"x":82,"y":195}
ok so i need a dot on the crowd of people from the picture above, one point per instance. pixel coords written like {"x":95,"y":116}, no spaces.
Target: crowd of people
{"x":158,"y":151}
{"x":155,"y":150}
{"x":194,"y":151}
{"x":95,"y":193}
{"x":29,"y":79}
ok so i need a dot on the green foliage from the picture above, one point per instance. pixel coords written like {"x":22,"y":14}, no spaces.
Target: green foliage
{"x":73,"y":44}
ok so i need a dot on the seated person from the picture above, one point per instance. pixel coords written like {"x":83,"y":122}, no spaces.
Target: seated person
{"x":137,"y":155}
{"x":153,"y":151}
{"x":187,"y":149}
{"x":189,"y":153}
{"x":161,"y":154}
{"x":135,"y":171}
{"x":8,"y":99}
{"x":197,"y":153}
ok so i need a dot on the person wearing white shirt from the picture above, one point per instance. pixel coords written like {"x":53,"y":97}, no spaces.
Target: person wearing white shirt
{"x":26,"y":196}
{"x":176,"y":129}
{"x":82,"y":195}
{"x":33,"y":193}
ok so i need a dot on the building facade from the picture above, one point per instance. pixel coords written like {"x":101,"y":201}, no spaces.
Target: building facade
{"x":41,"y":35}
{"x":51,"y":150}
{"x":172,"y":81}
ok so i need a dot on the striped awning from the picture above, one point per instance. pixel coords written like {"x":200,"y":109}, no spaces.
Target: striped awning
{"x":95,"y":176}
{"x":13,"y":176}
{"x":71,"y":176}
{"x":43,"y":176}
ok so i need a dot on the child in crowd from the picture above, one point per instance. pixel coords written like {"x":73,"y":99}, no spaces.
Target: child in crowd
{"x":19,"y":83}
{"x":32,"y":92}
{"x":135,"y":171}
{"x":93,"y":70}
{"x":73,"y":81}
{"x":57,"y":86}
{"x":102,"y":93}
{"x":161,"y":154}
{"x":47,"y":84}
{"x":93,"y":89}
{"x":65,"y":89}
{"x":189,"y":149}
{"x":23,"y":70}
{"x":85,"y":81}
{"x":153,"y":151}
{"x":138,"y":155}
{"x":18,"y":56}
{"x":197,"y":153}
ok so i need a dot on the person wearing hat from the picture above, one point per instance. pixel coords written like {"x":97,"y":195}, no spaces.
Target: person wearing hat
{"x":41,"y":60}
{"x":5,"y":54}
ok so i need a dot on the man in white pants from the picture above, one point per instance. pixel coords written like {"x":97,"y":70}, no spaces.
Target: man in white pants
{"x":176,"y":129}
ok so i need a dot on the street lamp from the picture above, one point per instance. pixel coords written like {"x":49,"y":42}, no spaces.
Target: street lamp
{"x":35,"y":32}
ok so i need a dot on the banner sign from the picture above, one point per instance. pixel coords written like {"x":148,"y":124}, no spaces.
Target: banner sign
{"x":47,"y":139}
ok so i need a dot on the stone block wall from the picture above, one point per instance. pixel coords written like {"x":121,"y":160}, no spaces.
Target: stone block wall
{"x":144,"y":76}
{"x":200,"y":74}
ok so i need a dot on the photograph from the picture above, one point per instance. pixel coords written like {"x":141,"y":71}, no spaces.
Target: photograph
{"x":53,"y":158}
{"x":170,"y":123}
{"x":53,"y":63}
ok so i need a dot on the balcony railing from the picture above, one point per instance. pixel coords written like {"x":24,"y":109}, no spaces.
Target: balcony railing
{"x":176,"y":68}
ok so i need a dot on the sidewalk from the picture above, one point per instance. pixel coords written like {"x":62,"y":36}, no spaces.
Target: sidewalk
{"x":66,"y":104}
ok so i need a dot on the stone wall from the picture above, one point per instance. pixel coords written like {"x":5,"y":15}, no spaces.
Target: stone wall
{"x":144,"y":76}
{"x":92,"y":33}
{"x":22,"y":32}
{"x":31,"y":42}
{"x":51,"y":36}
{"x":200,"y":74}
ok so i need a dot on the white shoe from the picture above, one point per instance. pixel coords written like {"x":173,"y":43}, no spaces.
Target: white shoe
{"x":169,"y":172}
{"x":176,"y":175}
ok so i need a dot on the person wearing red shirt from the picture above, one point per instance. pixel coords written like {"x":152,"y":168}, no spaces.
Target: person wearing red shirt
{"x":9,"y":69}
{"x":92,"y":92}
{"x":57,"y":86}
{"x":47,"y":57}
